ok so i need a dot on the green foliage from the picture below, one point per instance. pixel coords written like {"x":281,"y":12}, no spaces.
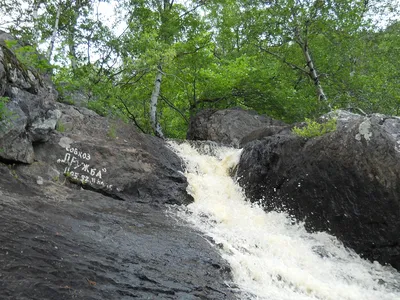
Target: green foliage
{"x":4,"y":112}
{"x":29,"y":56}
{"x":6,"y":115}
{"x":60,"y":127}
{"x":216,"y":54}
{"x":67,"y":100}
{"x":314,"y":129}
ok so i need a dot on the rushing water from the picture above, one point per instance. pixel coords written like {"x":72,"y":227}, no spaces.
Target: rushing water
{"x":271,"y":256}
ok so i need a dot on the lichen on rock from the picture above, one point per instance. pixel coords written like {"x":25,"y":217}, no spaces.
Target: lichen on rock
{"x":364,"y":131}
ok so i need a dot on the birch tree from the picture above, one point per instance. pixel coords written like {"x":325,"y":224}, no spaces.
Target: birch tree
{"x":275,"y":26}
{"x":54,"y":33}
{"x":157,"y":28}
{"x":154,"y":102}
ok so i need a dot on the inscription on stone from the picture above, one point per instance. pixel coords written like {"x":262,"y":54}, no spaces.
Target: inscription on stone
{"x":77,"y":165}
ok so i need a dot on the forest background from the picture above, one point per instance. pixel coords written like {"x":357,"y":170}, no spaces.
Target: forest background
{"x":156,"y":63}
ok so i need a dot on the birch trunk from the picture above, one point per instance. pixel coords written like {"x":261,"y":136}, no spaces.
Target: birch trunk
{"x":54,"y":35}
{"x":72,"y":50}
{"x":35,"y":12}
{"x":72,"y":34}
{"x":154,"y":102}
{"x":313,"y":73}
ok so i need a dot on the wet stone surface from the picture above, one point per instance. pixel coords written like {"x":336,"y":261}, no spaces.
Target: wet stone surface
{"x":78,"y":244}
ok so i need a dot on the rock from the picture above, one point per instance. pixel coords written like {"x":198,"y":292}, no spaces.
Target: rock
{"x":228,"y":126}
{"x":70,"y":242}
{"x":346,"y":182}
{"x":109,"y":157}
{"x":63,"y":243}
{"x":14,"y":140}
{"x":42,"y":126}
{"x":39,"y":180}
{"x":30,"y":112}
{"x":76,"y":96}
{"x":263,"y":132}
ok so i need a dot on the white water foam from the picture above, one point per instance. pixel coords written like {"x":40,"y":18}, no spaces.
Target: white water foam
{"x":272,"y":257}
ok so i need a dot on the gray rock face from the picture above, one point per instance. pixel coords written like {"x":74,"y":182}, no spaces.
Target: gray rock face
{"x":228,"y":126}
{"x":31,"y":107}
{"x":346,"y":182}
{"x":41,"y":126}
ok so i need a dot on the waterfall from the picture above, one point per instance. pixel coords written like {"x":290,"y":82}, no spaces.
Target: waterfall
{"x":271,"y":256}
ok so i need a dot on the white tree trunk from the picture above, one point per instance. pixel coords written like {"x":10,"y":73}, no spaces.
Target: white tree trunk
{"x":153,"y":104}
{"x":54,"y":35}
{"x":72,"y":51}
{"x":35,"y":12}
{"x":313,"y":73}
{"x":72,"y":35}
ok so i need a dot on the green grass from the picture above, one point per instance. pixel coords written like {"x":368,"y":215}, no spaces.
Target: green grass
{"x":112,"y":131}
{"x":4,"y":112}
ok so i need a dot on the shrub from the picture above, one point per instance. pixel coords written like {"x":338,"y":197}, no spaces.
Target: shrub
{"x":313,"y":128}
{"x":4,"y":112}
{"x":29,"y":57}
{"x":60,"y":127}
{"x":3,"y":101}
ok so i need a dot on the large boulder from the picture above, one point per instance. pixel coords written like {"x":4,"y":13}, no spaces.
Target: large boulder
{"x":110,"y":157}
{"x":230,"y":126}
{"x":87,"y":150}
{"x":346,"y":182}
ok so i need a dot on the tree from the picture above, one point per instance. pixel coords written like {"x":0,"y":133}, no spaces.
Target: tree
{"x":54,"y":33}
{"x":156,"y":32}
{"x":289,"y":59}
{"x":298,"y":37}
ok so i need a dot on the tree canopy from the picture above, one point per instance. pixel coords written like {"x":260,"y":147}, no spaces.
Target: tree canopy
{"x":158,"y":62}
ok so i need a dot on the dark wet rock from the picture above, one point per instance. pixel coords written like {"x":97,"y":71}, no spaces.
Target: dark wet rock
{"x":346,"y":182}
{"x":263,"y":132}
{"x":61,"y":243}
{"x":61,"y":238}
{"x":228,"y":126}
{"x":110,"y":157}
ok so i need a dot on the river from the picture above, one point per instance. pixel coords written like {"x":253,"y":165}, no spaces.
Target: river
{"x":272,"y":256}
